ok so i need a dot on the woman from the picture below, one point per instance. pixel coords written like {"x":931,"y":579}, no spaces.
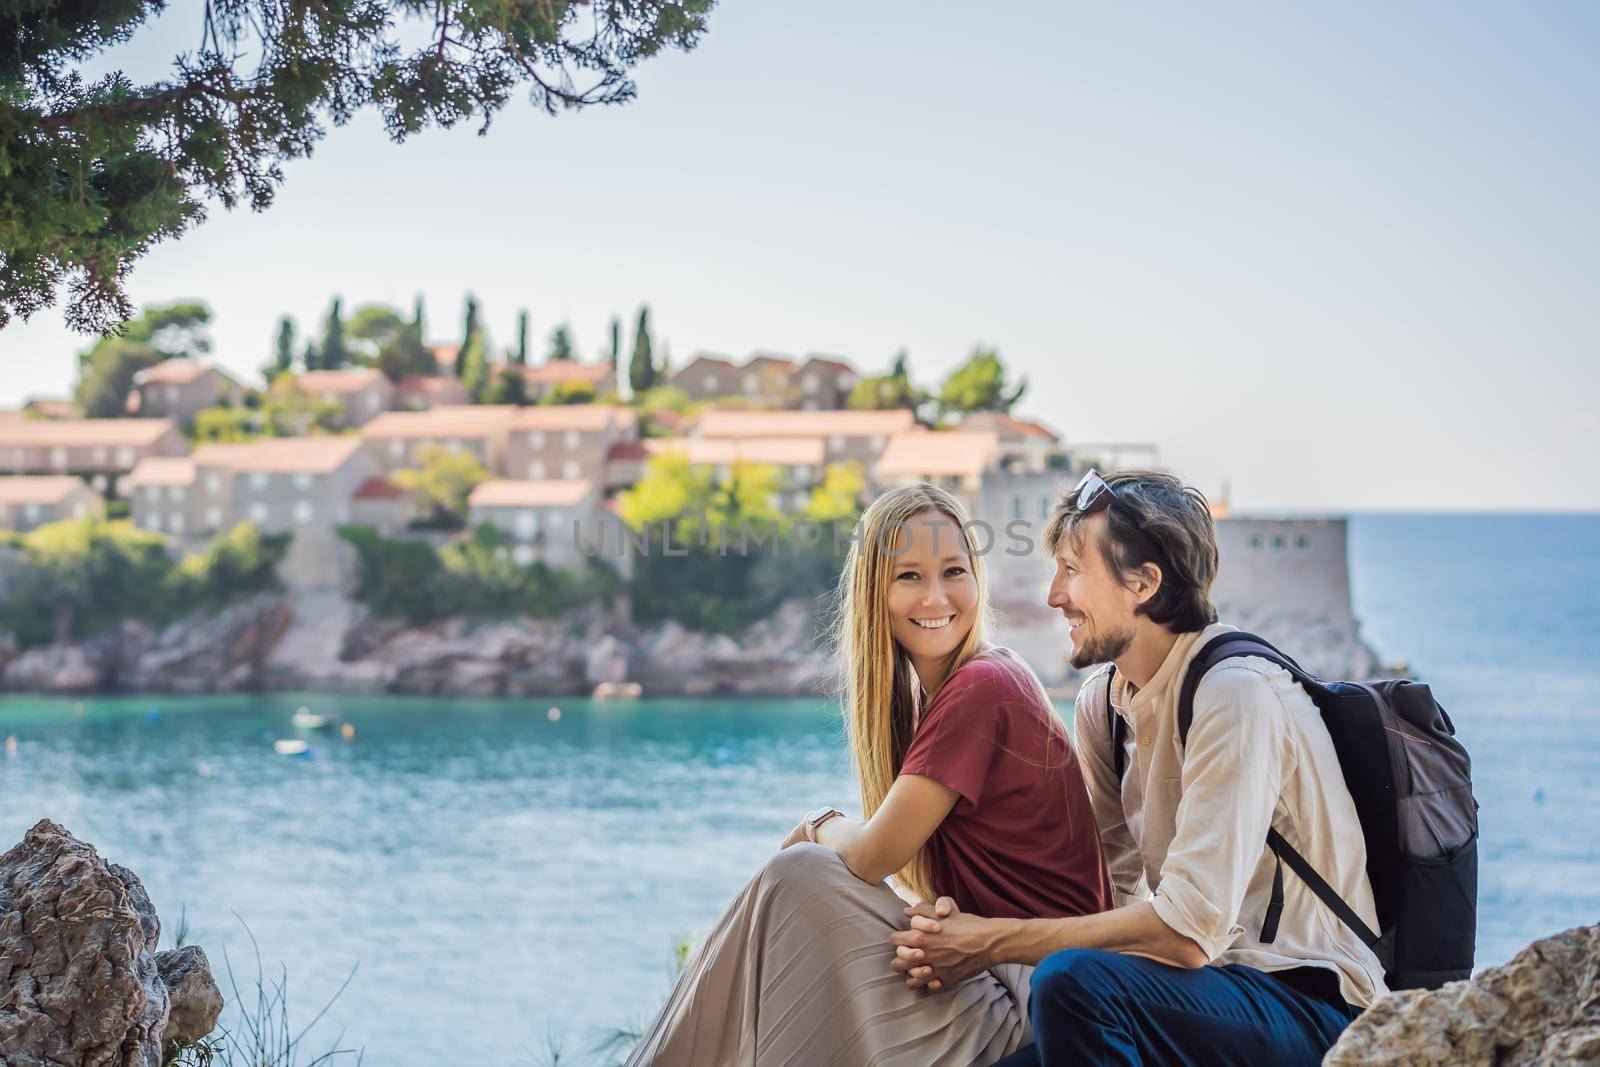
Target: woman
{"x":970,"y":790}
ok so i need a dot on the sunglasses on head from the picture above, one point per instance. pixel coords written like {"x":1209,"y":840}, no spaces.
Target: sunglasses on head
{"x":1094,"y":493}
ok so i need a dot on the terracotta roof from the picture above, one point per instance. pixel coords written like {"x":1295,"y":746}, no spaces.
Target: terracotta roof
{"x":430,"y":383}
{"x":444,"y":355}
{"x":570,"y":417}
{"x":163,"y":470}
{"x":929,"y":453}
{"x":172,"y":372}
{"x":669,"y":418}
{"x":296,"y":455}
{"x":225,"y":455}
{"x":566,"y":370}
{"x":51,"y":407}
{"x":728,"y":423}
{"x":65,"y":432}
{"x":347,"y":380}
{"x":715,"y":362}
{"x":626,"y":450}
{"x":37,"y":489}
{"x":507,"y":493}
{"x":781,"y":451}
{"x":1009,"y":427}
{"x":451,"y":420}
{"x":780,"y":361}
{"x":377,"y":489}
{"x":829,"y":363}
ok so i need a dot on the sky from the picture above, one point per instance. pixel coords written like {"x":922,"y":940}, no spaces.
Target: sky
{"x":1326,"y":257}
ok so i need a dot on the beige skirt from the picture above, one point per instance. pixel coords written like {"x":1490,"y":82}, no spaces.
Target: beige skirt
{"x":796,"y":972}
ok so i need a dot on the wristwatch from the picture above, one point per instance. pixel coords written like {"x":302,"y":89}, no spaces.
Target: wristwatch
{"x":817,"y":818}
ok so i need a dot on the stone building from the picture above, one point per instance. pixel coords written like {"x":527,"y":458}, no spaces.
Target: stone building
{"x":538,"y":517}
{"x":362,"y":393}
{"x":99,"y":449}
{"x":425,"y":392}
{"x":566,"y":442}
{"x":847,"y":435}
{"x":956,"y":460}
{"x":394,"y":438}
{"x":546,"y":377}
{"x":180,"y":388}
{"x":823,"y":383}
{"x":28,"y":501}
{"x":706,"y":378}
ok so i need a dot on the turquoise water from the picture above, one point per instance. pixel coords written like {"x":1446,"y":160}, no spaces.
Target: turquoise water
{"x":498,"y":877}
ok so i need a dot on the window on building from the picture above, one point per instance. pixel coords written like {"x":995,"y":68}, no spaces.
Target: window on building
{"x":213,"y":483}
{"x":153,"y":493}
{"x":124,"y":457}
{"x":100,"y":456}
{"x":303,"y":511}
{"x":175,"y":493}
{"x":536,"y":439}
{"x":58,"y":457}
{"x":809,"y":383}
{"x":751,"y":383}
{"x":1300,"y":541}
{"x":258,"y":513}
{"x":1017,"y":506}
{"x":711,"y":382}
{"x":1278,"y":542}
{"x":397,"y":448}
{"x":31,"y":511}
{"x":213,"y":518}
{"x":175,"y":522}
{"x":878,"y":441}
{"x":1255,"y":541}
{"x":527,"y":524}
{"x":260,"y":479}
{"x":302,"y":481}
{"x":836,"y":442}
{"x":373,"y":400}
{"x":536,"y":469}
{"x":570,"y":469}
{"x":571,"y":439}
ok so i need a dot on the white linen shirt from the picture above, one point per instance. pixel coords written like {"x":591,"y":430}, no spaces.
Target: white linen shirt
{"x":1188,"y":830}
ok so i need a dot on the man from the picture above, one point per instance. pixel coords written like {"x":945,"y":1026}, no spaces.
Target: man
{"x":1180,"y":971}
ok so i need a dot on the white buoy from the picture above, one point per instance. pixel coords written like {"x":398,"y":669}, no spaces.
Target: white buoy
{"x":203,"y":769}
{"x":11,"y":746}
{"x":290,"y":746}
{"x":554,"y":714}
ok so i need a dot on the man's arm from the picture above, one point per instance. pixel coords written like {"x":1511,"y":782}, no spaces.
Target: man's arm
{"x":941,"y":952}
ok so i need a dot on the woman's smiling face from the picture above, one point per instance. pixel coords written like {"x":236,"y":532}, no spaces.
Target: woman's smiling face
{"x":933,"y":594}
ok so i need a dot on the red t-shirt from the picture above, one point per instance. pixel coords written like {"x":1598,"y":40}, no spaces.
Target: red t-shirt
{"x":1021,"y":841}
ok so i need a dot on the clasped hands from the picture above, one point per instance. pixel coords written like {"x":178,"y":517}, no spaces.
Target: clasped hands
{"x":943,"y":948}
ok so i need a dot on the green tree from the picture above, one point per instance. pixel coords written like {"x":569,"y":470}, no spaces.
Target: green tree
{"x":615,"y":355}
{"x":641,"y":370}
{"x":561,"y":344}
{"x":283,"y":351}
{"x":886,"y":391}
{"x":106,"y":370}
{"x":98,"y":169}
{"x":287,"y":410}
{"x":335,"y":353}
{"x":510,"y":386}
{"x":570,"y":393}
{"x":838,"y":498}
{"x":444,"y":478}
{"x":522,"y":338}
{"x":469,"y":331}
{"x":404,"y":355}
{"x":371,"y":327}
{"x":979,"y":384}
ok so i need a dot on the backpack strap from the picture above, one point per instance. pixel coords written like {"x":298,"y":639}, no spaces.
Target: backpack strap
{"x":1236,"y":645}
{"x":1116,"y":727}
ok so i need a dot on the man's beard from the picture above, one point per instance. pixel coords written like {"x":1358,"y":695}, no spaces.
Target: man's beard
{"x":1102,"y":649}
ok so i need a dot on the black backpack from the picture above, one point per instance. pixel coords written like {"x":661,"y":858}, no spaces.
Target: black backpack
{"x":1411,"y":781}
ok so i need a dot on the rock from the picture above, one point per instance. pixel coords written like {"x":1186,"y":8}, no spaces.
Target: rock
{"x":79,"y":983}
{"x":209,"y":653}
{"x":606,"y":660}
{"x":1541,"y":1008}
{"x":192,"y":993}
{"x":61,"y":668}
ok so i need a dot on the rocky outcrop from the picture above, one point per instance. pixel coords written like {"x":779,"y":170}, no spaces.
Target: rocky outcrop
{"x":81,"y":981}
{"x":1541,"y":1008}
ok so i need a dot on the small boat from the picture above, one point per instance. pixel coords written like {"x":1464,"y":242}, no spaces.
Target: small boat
{"x":617,"y":691}
{"x":290,"y":746}
{"x":306,"y":719}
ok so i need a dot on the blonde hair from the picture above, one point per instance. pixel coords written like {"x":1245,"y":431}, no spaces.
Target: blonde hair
{"x":877,"y":682}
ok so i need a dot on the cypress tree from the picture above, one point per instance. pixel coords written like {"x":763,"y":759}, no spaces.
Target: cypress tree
{"x":641,"y":371}
{"x":334,"y":353}
{"x":616,"y":343}
{"x":283,"y":358}
{"x":522,"y":338}
{"x":467,"y":336}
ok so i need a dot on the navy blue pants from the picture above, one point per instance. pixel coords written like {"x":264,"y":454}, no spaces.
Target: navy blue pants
{"x":1094,"y":1007}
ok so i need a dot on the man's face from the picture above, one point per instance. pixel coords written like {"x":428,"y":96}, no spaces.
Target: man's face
{"x":1098,"y":607}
